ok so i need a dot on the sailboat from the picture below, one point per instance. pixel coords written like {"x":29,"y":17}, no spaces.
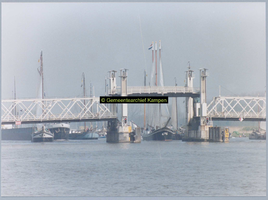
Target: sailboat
{"x":16,"y":132}
{"x":88,"y":133}
{"x":42,"y":135}
{"x":158,"y":116}
{"x":258,"y":134}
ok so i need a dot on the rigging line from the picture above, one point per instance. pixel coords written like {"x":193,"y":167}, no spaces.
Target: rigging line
{"x":224,"y":87}
{"x":227,"y":89}
{"x":143,"y":44}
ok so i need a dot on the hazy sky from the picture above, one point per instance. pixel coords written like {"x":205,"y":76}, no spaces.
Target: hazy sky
{"x":226,"y":38}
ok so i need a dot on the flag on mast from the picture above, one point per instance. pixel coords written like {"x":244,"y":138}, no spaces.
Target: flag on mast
{"x":150,"y":47}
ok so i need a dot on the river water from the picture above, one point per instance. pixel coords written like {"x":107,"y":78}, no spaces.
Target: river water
{"x":151,"y":168}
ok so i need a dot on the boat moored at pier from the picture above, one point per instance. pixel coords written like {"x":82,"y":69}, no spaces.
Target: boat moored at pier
{"x":42,"y":135}
{"x":257,"y":136}
{"x":60,"y":131}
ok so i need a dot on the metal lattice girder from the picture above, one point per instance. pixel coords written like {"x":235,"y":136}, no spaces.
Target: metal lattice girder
{"x":237,"y":107}
{"x":54,"y":110}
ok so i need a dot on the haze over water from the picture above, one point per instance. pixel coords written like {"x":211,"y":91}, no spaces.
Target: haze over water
{"x":151,"y":168}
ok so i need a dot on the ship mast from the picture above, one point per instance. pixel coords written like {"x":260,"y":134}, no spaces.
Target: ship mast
{"x":176,"y":107}
{"x":41,"y":73}
{"x":155,"y":63}
{"x":259,"y":124}
{"x":144,"y":119}
{"x":84,"y":91}
{"x":15,"y":110}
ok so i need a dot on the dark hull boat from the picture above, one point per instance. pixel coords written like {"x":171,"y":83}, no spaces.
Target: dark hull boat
{"x":257,"y":136}
{"x":60,"y":131}
{"x":42,"y":136}
{"x":162,"y":134}
{"x":18,"y":133}
{"x":83,"y":136}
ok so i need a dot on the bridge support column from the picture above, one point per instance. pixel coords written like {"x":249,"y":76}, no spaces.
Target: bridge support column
{"x":124,"y":129}
{"x":112,"y":132}
{"x":189,"y":101}
{"x":112,"y":128}
{"x":112,"y":84}
{"x":123,"y":76}
{"x":203,"y":132}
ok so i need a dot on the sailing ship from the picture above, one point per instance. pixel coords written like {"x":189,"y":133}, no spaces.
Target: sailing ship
{"x":61,"y":131}
{"x":16,"y":132}
{"x":102,"y":132}
{"x":88,"y":133}
{"x":158,"y":116}
{"x":258,"y":134}
{"x":42,"y":135}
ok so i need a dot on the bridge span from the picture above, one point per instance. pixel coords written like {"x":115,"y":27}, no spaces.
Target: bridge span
{"x":90,"y":109}
{"x":28,"y":111}
{"x":237,"y":108}
{"x":170,"y":91}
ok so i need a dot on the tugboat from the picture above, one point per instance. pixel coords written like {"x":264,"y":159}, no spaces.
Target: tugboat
{"x":42,"y":136}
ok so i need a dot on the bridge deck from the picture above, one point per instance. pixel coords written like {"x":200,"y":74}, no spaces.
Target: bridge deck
{"x":171,"y":91}
{"x":54,"y":110}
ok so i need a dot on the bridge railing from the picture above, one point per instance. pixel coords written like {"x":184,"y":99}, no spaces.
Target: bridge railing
{"x":156,"y":89}
{"x":38,"y":110}
{"x":237,"y":107}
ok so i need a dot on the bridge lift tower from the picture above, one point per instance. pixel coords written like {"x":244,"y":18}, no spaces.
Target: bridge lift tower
{"x":196,"y":112}
{"x":120,"y":132}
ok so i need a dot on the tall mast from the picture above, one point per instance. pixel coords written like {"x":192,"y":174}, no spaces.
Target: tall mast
{"x":259,"y":124}
{"x":42,"y":74}
{"x":84,"y":91}
{"x":155,"y":63}
{"x":177,"y":124}
{"x":152,"y":62}
{"x":90,"y":95}
{"x":144,"y":119}
{"x":159,"y":106}
{"x":15,"y":110}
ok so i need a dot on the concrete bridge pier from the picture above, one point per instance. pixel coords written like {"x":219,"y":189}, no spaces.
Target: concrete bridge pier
{"x":112,"y":84}
{"x":126,"y":134}
{"x":112,"y":128}
{"x":203,"y":128}
{"x":197,"y":129}
{"x":189,"y":103}
{"x":120,"y":131}
{"x":112,"y":132}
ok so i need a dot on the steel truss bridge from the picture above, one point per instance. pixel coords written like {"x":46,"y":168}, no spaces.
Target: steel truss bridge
{"x":237,"y":108}
{"x":90,"y":109}
{"x":54,"y":110}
